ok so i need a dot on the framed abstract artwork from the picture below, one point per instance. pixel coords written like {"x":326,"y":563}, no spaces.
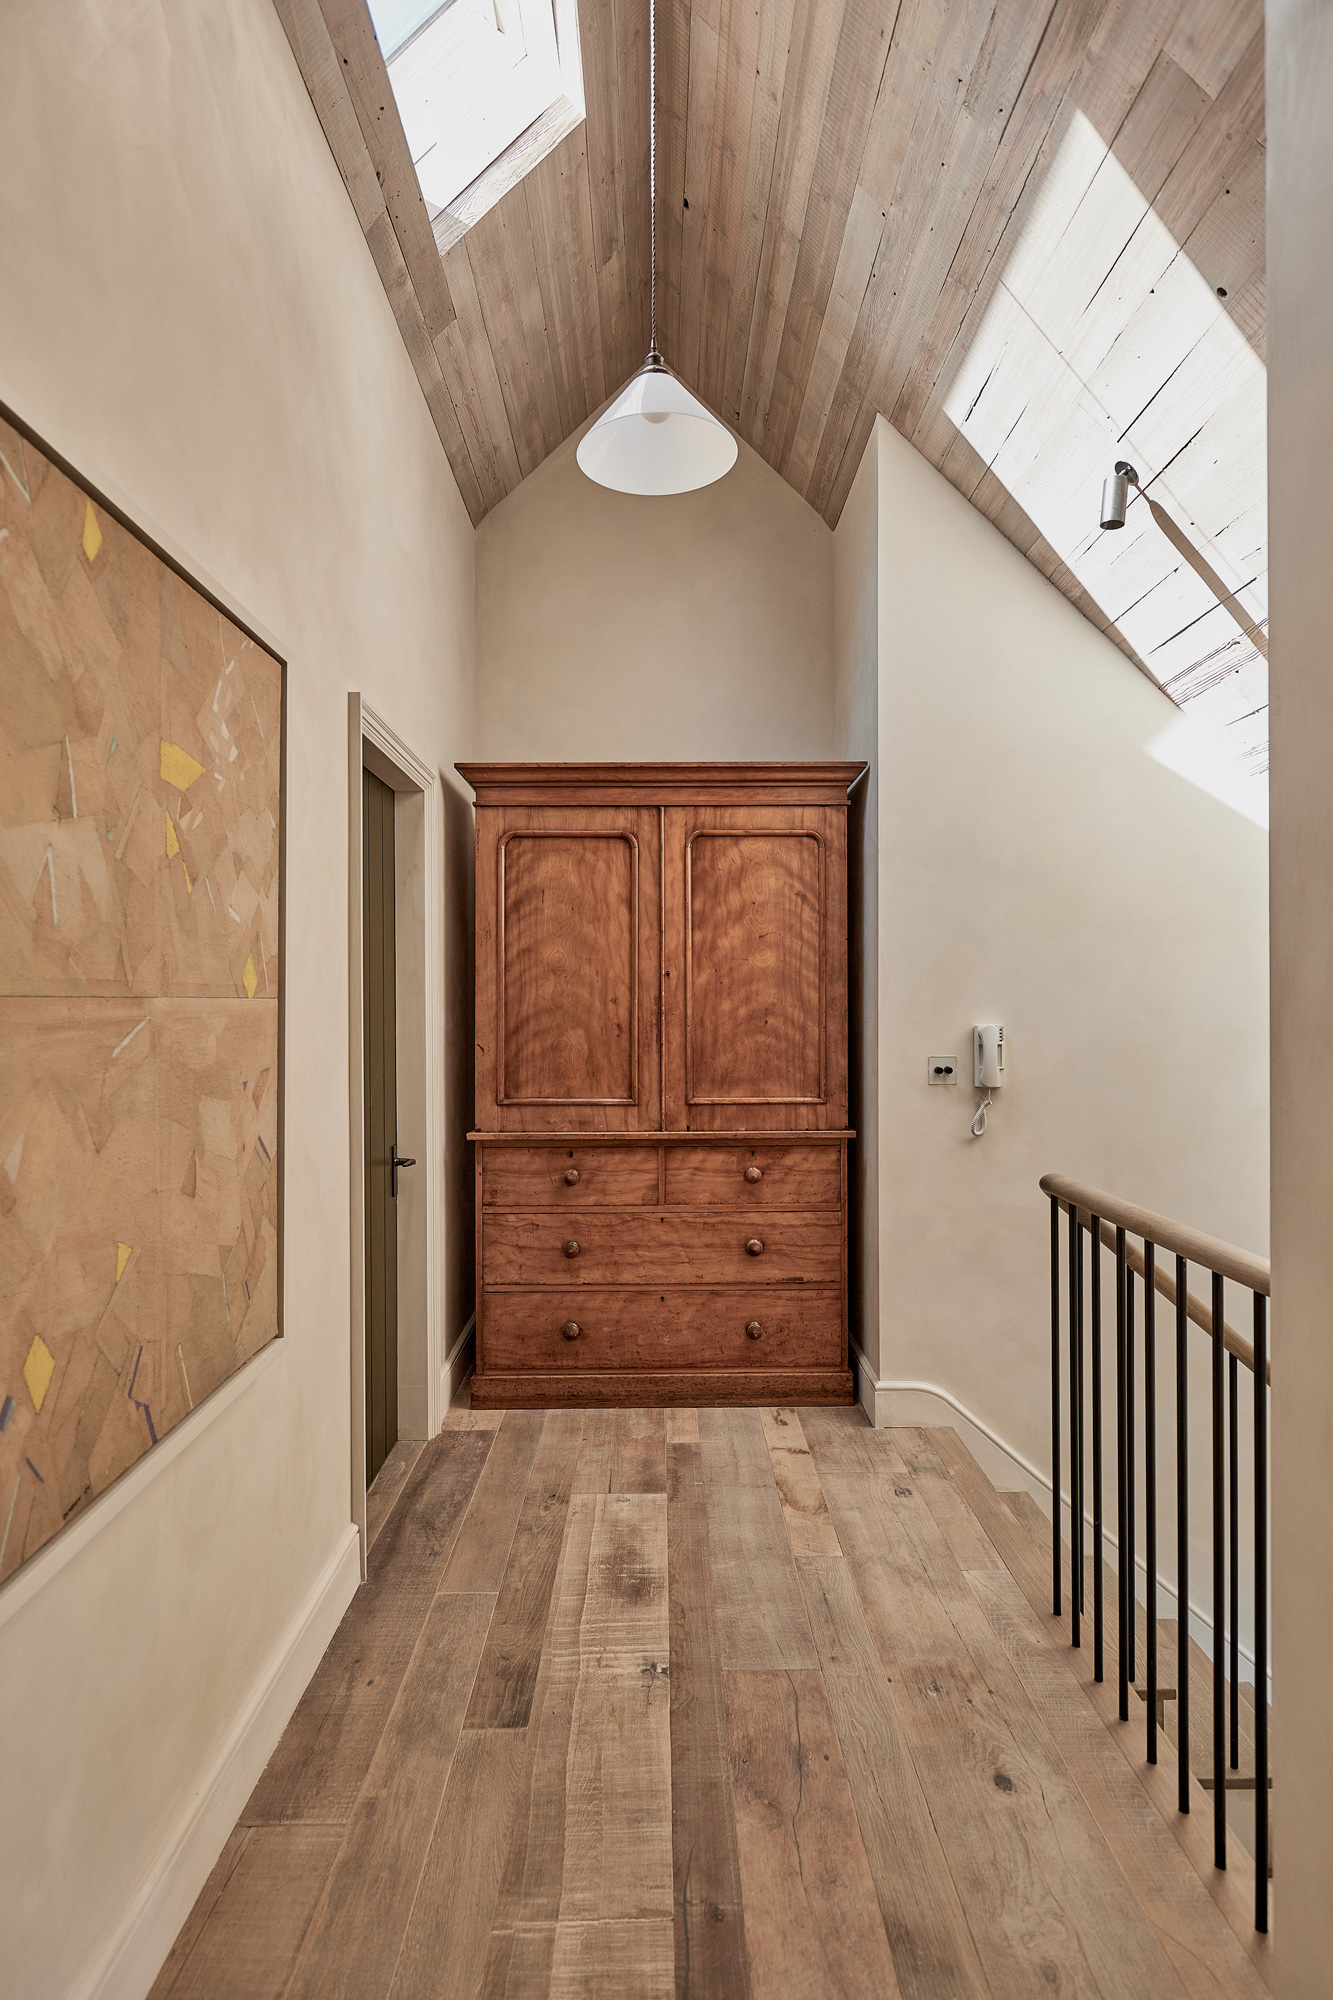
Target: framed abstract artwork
{"x":141,"y":813}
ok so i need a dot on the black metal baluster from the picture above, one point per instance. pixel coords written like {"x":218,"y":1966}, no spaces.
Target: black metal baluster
{"x":1098,"y":1590}
{"x":1075,"y":1595}
{"x":1182,"y":1533}
{"x":1122,"y":1516}
{"x":1219,"y":1590}
{"x":1131,"y":1482}
{"x":1260,"y":1612}
{"x":1150,"y":1476}
{"x":1233,"y":1523}
{"x":1080,"y":1540}
{"x":1055,"y":1399}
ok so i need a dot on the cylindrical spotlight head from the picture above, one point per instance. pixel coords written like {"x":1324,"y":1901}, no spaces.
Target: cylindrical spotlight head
{"x":1115,"y":500}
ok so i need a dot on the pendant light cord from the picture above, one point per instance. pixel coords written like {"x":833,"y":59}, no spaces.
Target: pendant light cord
{"x":652,"y":170}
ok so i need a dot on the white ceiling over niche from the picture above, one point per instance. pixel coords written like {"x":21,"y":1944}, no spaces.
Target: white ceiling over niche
{"x":1029,"y":232}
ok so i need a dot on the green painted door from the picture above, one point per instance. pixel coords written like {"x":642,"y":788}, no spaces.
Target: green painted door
{"x":381,"y":1115}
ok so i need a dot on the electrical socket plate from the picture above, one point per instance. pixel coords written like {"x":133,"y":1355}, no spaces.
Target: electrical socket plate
{"x":941,"y":1069}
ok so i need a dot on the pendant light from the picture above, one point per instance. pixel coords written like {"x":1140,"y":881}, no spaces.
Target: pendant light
{"x":656,"y":437}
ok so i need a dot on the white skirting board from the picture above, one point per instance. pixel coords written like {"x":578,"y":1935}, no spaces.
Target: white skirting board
{"x":129,"y":1963}
{"x":459,"y":1364}
{"x":926,"y":1404}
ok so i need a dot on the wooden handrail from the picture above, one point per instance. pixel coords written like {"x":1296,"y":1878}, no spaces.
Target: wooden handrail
{"x":1209,"y":1251}
{"x":1158,"y":1230}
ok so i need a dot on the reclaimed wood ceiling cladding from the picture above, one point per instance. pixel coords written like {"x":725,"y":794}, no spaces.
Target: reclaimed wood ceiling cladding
{"x":845,"y":189}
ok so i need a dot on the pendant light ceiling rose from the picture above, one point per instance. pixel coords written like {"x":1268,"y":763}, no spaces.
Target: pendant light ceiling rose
{"x":655,"y":437}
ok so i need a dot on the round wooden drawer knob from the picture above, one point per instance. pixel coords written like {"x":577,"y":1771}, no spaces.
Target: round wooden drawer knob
{"x":753,"y":1329}
{"x":571,"y":1176}
{"x":753,"y":1174}
{"x":571,"y":1329}
{"x":571,"y":1248}
{"x":754,"y":1247}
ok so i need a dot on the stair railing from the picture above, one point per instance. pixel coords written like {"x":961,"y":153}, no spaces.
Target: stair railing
{"x":1107,"y":1222}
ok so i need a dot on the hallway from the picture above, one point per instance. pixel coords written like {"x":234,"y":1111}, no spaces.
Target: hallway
{"x":725,"y":1703}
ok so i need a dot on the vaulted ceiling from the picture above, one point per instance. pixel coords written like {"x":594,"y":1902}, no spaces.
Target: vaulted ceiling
{"x":1029,"y":232}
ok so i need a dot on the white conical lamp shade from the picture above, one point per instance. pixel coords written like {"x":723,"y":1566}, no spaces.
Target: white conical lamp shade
{"x":656,"y":438}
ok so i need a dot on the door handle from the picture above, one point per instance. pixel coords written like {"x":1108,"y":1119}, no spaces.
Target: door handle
{"x":396,"y":1161}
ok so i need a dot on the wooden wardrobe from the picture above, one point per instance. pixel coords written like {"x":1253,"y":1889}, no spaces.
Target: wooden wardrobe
{"x":661,"y":1083}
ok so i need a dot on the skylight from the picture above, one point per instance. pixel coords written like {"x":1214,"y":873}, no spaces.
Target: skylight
{"x":470,"y":78}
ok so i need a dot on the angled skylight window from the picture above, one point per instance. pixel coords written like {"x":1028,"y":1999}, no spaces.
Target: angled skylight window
{"x":472,"y":79}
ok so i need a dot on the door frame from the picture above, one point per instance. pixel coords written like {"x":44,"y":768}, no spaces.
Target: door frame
{"x":374,"y":745}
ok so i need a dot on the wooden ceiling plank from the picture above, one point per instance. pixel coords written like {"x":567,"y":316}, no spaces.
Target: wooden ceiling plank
{"x":470,"y":369}
{"x":499,"y":250}
{"x":1227,"y":246}
{"x":856,"y":263}
{"x":394,"y":276}
{"x":325,"y":79}
{"x":460,"y":376}
{"x":601,"y":82}
{"x":353,"y":37}
{"x":699,"y":153}
{"x":1060,"y":77}
{"x":775,"y":38}
{"x":318,"y":62}
{"x":1160,"y":123}
{"x":928,"y":206}
{"x":1224,"y":140}
{"x":1211,"y":36}
{"x":915,"y":58}
{"x":1107,"y":318}
{"x":738,"y":74}
{"x":1063,"y":76}
{"x":561,"y":223}
{"x":673,"y":91}
{"x":920,"y":51}
{"x":632,"y":71}
{"x":816,"y":30}
{"x":859,"y":70}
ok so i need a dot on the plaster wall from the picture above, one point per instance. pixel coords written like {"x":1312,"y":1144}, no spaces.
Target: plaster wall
{"x":698,"y":626}
{"x":1300,"y":294}
{"x":856,"y":628}
{"x":190,"y":315}
{"x":1039,"y":868}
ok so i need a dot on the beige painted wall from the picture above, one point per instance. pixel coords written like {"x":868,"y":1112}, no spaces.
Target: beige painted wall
{"x":189,"y":313}
{"x":1300,"y":305}
{"x":613,"y":626}
{"x":856,"y":626}
{"x":1037,"y":867}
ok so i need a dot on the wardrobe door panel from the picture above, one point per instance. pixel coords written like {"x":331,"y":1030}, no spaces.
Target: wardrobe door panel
{"x":756,"y":968}
{"x":568,"y":969}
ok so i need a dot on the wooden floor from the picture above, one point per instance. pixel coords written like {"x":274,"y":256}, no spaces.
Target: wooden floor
{"x":738,"y":1703}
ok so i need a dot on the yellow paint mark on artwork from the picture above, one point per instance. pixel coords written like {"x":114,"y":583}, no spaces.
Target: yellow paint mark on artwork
{"x":179,"y":768}
{"x":38,"y":1369}
{"x":124,"y":1251}
{"x":189,"y":885}
{"x":173,"y":845}
{"x":92,"y":532}
{"x":250,"y":977}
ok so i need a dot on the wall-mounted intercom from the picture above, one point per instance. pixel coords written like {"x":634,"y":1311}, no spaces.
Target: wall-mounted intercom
{"x":987,"y":1070}
{"x":988,"y":1058}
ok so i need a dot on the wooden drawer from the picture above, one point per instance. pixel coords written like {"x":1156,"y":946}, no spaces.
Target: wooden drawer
{"x":656,"y":1330}
{"x":668,"y":1247}
{"x":538,"y":1176}
{"x":789,"y":1176}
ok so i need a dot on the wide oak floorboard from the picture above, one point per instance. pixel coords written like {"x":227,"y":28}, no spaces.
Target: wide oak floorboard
{"x":728,"y":1704}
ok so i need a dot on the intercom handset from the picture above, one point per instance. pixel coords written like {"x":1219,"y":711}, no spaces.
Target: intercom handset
{"x":987,"y":1070}
{"x":988,"y":1058}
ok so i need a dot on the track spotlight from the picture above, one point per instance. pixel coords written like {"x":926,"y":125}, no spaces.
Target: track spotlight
{"x":1115,"y":494}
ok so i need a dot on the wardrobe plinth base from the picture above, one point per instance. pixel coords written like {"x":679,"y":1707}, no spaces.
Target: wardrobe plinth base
{"x":699,"y":1388}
